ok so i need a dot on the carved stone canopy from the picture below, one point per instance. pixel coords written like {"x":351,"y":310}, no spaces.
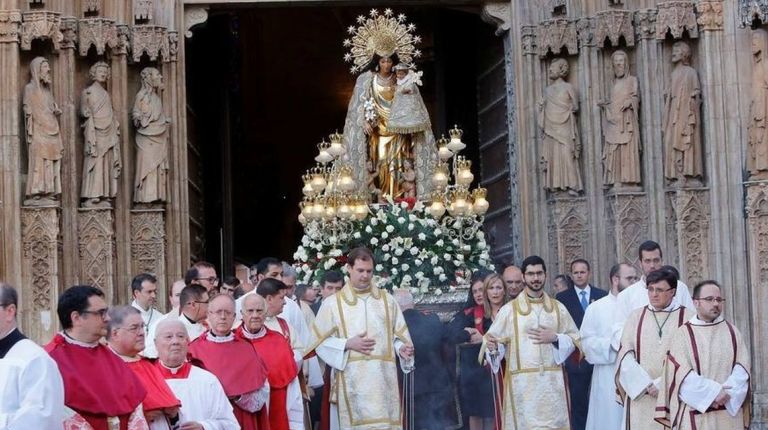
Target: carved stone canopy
{"x":710,"y":14}
{"x":645,"y":23}
{"x":555,"y":34}
{"x":151,"y":40}
{"x":40,"y":24}
{"x":97,"y":32}
{"x":675,"y":17}
{"x":612,"y":25}
{"x":751,"y":10}
{"x":10,"y":21}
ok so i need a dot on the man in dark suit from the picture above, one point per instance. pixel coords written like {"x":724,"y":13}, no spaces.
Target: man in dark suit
{"x":576,"y":300}
{"x":432,"y":384}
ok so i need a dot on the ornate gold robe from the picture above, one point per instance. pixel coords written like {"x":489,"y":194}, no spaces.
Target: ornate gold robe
{"x":364,"y":388}
{"x":711,"y":351}
{"x":641,"y":360}
{"x":535,"y":394}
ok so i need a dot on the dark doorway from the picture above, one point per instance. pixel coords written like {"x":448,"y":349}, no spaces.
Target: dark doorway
{"x":265,"y":85}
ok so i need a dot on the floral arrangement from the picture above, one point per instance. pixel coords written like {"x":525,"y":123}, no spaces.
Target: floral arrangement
{"x":411,"y":249}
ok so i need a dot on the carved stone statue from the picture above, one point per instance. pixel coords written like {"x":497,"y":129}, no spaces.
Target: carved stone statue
{"x":101,"y":164}
{"x":682,"y":105}
{"x":757,"y":151}
{"x":621,"y":129}
{"x":151,"y":182}
{"x":557,"y":119}
{"x":43,"y":136}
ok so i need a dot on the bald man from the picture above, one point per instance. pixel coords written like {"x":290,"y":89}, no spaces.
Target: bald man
{"x":204,"y":405}
{"x":513,"y":280}
{"x":149,"y":350}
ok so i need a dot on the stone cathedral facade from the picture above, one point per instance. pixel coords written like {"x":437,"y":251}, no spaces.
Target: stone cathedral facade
{"x":664,"y":136}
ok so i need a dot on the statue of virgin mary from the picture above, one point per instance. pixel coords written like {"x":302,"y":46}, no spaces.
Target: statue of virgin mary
{"x":378,"y":154}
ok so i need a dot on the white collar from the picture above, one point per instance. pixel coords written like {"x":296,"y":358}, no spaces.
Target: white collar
{"x":579,"y":290}
{"x":220,"y":339}
{"x":260,"y":334}
{"x":174,"y":370}
{"x":696,"y":321}
{"x":672,"y":306}
{"x":74,"y":341}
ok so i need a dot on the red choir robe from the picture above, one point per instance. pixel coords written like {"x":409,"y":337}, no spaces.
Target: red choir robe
{"x":97,"y":383}
{"x":239,"y":368}
{"x":159,"y":394}
{"x":277,"y":354}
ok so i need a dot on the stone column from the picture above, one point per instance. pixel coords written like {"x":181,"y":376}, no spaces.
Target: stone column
{"x":96,"y":248}
{"x":10,"y":141}
{"x":41,"y":242}
{"x":757,"y":241}
{"x":148,"y":248}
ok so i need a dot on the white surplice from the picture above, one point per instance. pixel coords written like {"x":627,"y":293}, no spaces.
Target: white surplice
{"x":600,"y":341}
{"x":203,"y":400}
{"x":294,"y":400}
{"x":31,"y":389}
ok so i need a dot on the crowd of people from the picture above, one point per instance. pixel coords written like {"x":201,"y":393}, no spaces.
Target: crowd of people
{"x":265,"y":353}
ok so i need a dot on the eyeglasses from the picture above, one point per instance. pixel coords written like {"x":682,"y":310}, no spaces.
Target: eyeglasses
{"x":658,"y":290}
{"x":101,"y":312}
{"x":136,"y":328}
{"x":211,"y":279}
{"x":222,"y":313}
{"x":710,"y":299}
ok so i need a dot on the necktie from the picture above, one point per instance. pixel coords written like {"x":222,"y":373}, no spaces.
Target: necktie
{"x":583,"y":300}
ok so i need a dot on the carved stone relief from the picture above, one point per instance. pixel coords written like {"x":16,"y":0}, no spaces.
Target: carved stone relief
{"x":692,"y":218}
{"x":143,"y":10}
{"x":173,"y":45}
{"x":585,"y":28}
{"x":123,"y":45}
{"x":68,"y":32}
{"x":10,"y":22}
{"x":757,"y":137}
{"x":151,"y":40}
{"x":40,"y":244}
{"x":751,"y":10}
{"x":613,"y":25}
{"x":97,"y":32}
{"x":528,"y":39}
{"x":92,"y":6}
{"x":645,"y":23}
{"x":670,"y":221}
{"x":710,"y":14}
{"x":194,"y":15}
{"x":756,"y":208}
{"x":630,"y":211}
{"x":40,"y":25}
{"x":148,"y":242}
{"x":569,"y":228}
{"x":555,"y":34}
{"x":97,"y":248}
{"x":675,"y":17}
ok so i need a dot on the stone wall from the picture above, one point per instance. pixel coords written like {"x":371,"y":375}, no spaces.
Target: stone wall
{"x":712,"y":225}
{"x":57,"y":240}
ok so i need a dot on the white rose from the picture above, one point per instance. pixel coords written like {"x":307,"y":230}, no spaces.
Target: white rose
{"x":405,"y":267}
{"x":399,"y":251}
{"x":442,"y":277}
{"x":412,"y":218}
{"x":414,"y":251}
{"x":417,"y":262}
{"x":394,"y":260}
{"x":460,"y":257}
{"x":456,"y":263}
{"x":406,"y":279}
{"x":384,"y":235}
{"x":386,"y":257}
{"x":434,"y":260}
{"x":404,"y":205}
{"x":374,"y":221}
{"x":439,"y":243}
{"x":374,"y":241}
{"x":394,"y":272}
{"x":437,"y":270}
{"x":447,"y":257}
{"x":379,"y":267}
{"x":385,"y":248}
{"x":422,"y":236}
{"x":438,"y":291}
{"x":356,"y":235}
{"x":335,"y":253}
{"x":368,"y":229}
{"x":401,"y":220}
{"x":419,"y":275}
{"x":466,"y":248}
{"x":438,"y":232}
{"x":411,"y":227}
{"x":455,"y":242}
{"x":390,"y":229}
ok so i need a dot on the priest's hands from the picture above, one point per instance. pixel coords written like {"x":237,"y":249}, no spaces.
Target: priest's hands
{"x":542,"y":335}
{"x":722,"y":398}
{"x":474,"y":335}
{"x":652,"y":390}
{"x":361,"y":344}
{"x":491,"y":343}
{"x":407,"y":351}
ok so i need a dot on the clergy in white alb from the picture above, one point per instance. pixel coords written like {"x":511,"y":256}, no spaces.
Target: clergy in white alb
{"x":144,"y":290}
{"x":645,"y":341}
{"x":636,"y":296}
{"x":203,"y":401}
{"x":706,"y":375}
{"x":535,"y":334}
{"x":358,"y":333}
{"x":600,"y":341}
{"x":31,"y":389}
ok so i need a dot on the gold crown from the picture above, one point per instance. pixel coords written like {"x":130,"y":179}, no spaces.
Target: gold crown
{"x":335,"y":137}
{"x":463,"y":163}
{"x":455,"y":132}
{"x":382,"y":35}
{"x":443,"y":141}
{"x":323,"y":145}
